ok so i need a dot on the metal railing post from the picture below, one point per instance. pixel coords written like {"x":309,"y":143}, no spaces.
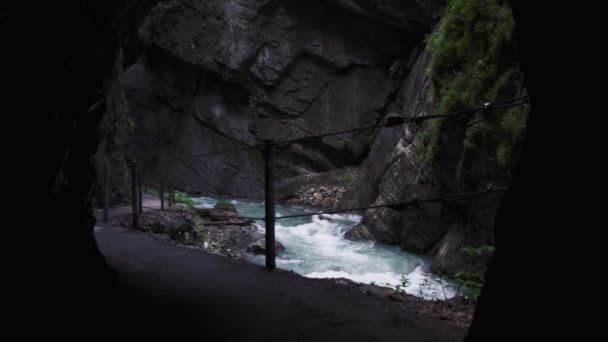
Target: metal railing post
{"x":162,"y":195}
{"x":269,"y":204}
{"x":106,"y":193}
{"x":141,"y":200}
{"x":134,"y":193}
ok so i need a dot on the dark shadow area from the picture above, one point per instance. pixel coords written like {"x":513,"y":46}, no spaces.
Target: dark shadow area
{"x":520,"y":299}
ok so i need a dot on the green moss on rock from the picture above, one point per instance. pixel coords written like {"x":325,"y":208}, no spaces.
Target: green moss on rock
{"x":472,"y":63}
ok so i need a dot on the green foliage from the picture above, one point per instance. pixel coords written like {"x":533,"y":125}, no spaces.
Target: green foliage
{"x":131,"y":124}
{"x":514,"y":127}
{"x":344,"y":177}
{"x":467,"y":44}
{"x":223,"y":204}
{"x":466,"y":71}
{"x":476,"y":126}
{"x":478,"y":251}
{"x":415,"y":214}
{"x":469,"y":283}
{"x":180,"y":197}
{"x":183,"y":198}
{"x":431,"y":136}
{"x":184,"y":202}
{"x":197,"y":222}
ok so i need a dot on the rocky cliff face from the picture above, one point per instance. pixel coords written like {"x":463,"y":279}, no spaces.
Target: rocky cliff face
{"x":390,"y":171}
{"x":447,"y":156}
{"x":212,"y":75}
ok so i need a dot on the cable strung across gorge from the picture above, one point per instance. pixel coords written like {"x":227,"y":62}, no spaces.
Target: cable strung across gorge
{"x":204,"y":155}
{"x":390,"y":121}
{"x":354,"y":130}
{"x":490,"y":189}
{"x":234,"y":217}
{"x":400,"y":206}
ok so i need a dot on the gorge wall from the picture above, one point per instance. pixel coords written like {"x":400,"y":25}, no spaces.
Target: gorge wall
{"x":207,"y":76}
{"x":211,"y":75}
{"x":470,"y":59}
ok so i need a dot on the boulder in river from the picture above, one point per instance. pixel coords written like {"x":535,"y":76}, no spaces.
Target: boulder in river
{"x":223,"y":211}
{"x":225,"y":206}
{"x":330,"y":219}
{"x":259,"y":247}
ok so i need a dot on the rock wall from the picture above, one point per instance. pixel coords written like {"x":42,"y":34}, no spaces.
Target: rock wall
{"x":115,"y":130}
{"x":389,"y":172}
{"x":392,"y":174}
{"x":449,"y":156}
{"x":213,"y":74}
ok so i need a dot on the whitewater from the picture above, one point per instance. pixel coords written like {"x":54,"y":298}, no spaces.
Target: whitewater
{"x":315,"y":247}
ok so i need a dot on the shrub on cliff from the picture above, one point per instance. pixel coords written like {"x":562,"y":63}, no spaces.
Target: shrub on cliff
{"x":473,"y":62}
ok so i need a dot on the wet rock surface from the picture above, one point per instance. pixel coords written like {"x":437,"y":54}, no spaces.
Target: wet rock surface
{"x":229,"y":236}
{"x":324,"y":197}
{"x":224,"y":213}
{"x":225,"y":234}
{"x":321,"y":190}
{"x":456,"y":311}
{"x":173,"y":224}
{"x":259,"y":247}
{"x":230,"y":241}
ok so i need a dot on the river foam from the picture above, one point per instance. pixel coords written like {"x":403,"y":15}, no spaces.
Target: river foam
{"x":316,"y":248}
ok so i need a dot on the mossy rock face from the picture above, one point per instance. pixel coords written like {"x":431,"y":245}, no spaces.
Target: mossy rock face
{"x":424,"y":226}
{"x":473,"y":62}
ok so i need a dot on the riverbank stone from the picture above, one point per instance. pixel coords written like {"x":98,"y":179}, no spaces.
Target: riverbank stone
{"x":259,"y":247}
